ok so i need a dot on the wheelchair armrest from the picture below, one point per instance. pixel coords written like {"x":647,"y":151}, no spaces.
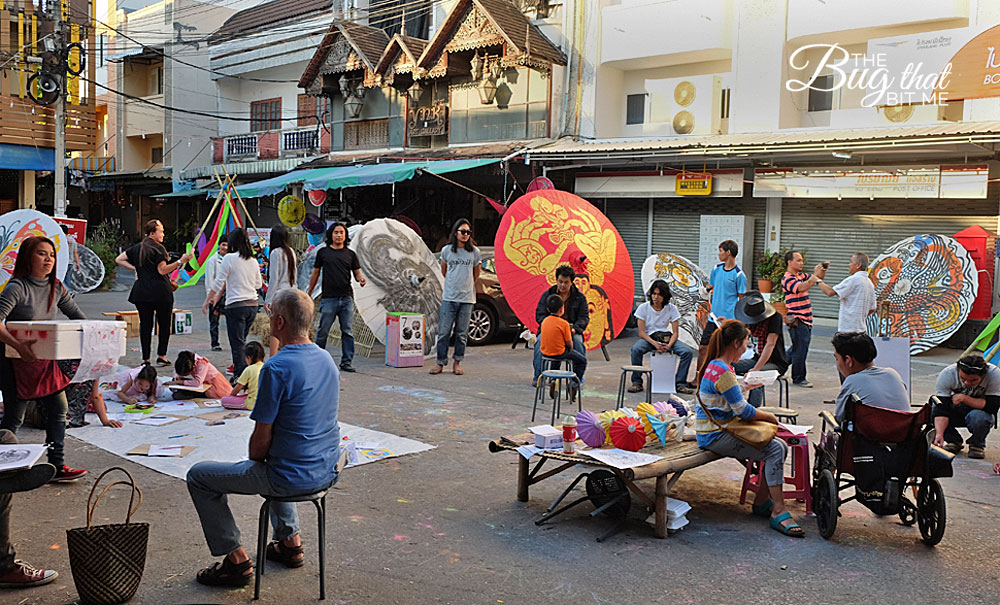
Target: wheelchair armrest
{"x":939,"y":462}
{"x":829,"y":419}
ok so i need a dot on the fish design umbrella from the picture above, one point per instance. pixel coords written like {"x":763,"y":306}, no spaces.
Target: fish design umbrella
{"x":91,"y":272}
{"x":547,"y":228}
{"x":688,"y":292}
{"x":627,"y":434}
{"x":402,"y":275}
{"x":18,"y":225}
{"x":590,"y":429}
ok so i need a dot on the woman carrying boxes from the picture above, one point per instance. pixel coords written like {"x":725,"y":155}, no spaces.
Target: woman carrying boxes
{"x":34,"y":294}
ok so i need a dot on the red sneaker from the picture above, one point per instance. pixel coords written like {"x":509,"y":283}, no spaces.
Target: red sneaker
{"x":66,"y":473}
{"x":25,"y":576}
{"x":230,"y":369}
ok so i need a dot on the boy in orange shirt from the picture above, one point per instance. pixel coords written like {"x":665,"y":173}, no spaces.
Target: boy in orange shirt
{"x":556,"y":339}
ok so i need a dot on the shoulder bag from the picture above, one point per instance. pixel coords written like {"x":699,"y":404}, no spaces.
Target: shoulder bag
{"x":755,"y":433}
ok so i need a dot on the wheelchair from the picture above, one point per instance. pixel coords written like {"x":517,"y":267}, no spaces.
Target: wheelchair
{"x":883,"y":452}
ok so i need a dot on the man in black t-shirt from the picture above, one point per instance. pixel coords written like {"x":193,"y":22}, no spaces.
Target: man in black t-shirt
{"x":765,"y":326}
{"x":337,"y":263}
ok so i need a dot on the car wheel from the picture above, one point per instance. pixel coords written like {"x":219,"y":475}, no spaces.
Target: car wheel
{"x":482,"y":325}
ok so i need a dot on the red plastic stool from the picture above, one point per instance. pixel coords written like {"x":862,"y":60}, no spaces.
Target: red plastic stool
{"x":801,"y":478}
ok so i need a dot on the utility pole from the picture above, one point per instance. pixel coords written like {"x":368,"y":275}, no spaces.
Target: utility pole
{"x":59,"y":195}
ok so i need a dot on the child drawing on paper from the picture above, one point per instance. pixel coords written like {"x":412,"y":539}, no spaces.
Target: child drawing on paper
{"x":247,"y":380}
{"x":139,"y":384}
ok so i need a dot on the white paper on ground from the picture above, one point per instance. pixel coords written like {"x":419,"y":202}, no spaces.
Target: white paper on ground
{"x":156,"y":421}
{"x":619,"y":458}
{"x":529,"y":450}
{"x":176,"y":406}
{"x":165,"y":450}
{"x":796,"y":429}
{"x":212,"y":403}
{"x":20,"y":455}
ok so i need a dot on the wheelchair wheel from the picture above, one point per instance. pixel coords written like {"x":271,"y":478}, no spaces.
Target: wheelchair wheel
{"x":907,"y":512}
{"x":825,"y":504}
{"x":931,"y":511}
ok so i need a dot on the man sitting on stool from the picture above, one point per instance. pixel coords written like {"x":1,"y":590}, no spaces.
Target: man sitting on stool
{"x":575,"y":311}
{"x":765,"y":327}
{"x":878,"y":387}
{"x":970,"y":396}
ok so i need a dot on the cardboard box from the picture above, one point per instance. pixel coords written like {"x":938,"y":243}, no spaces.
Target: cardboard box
{"x":547,"y":436}
{"x":56,"y":339}
{"x":183,"y":322}
{"x":131,"y":319}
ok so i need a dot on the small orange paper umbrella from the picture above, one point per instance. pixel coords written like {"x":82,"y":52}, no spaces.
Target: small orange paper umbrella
{"x":547,"y":228}
{"x":627,"y":434}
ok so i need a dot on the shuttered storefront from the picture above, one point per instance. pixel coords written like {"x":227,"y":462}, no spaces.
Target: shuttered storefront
{"x":677,"y":223}
{"x":832,"y":230}
{"x":631,"y":217}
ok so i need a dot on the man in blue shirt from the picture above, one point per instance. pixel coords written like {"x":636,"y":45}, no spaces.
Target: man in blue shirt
{"x":294,"y":448}
{"x":727,"y":284}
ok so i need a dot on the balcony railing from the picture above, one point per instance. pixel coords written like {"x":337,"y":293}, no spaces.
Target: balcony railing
{"x":300,"y":140}
{"x":241,"y":146}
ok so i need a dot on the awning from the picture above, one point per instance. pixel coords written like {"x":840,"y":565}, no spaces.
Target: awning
{"x":339,"y":177}
{"x":23,"y":157}
{"x":189,"y":193}
{"x":255,"y":167}
{"x":146,"y":51}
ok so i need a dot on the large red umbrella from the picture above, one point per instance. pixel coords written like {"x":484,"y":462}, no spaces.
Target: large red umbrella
{"x":544,"y":229}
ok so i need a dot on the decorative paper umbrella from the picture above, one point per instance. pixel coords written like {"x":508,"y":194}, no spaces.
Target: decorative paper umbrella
{"x":688,"y":292}
{"x":590,"y":429}
{"x":304,"y":272}
{"x":544,"y":229}
{"x":317,"y":197}
{"x":540,"y":182}
{"x":607,"y":417}
{"x":402,"y":274}
{"x":91,"y":272}
{"x":627,"y":434}
{"x":645,"y":409}
{"x":929,"y":283}
{"x":17,"y":225}
{"x":291,"y":210}
{"x":313,"y":224}
{"x":657,"y":427}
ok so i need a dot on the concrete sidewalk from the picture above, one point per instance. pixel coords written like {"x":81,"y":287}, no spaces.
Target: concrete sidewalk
{"x":445,"y":527}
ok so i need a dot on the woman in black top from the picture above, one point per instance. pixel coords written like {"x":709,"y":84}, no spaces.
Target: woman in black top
{"x":152,"y":292}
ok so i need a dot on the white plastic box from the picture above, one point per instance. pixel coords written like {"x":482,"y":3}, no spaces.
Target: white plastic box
{"x":56,"y":339}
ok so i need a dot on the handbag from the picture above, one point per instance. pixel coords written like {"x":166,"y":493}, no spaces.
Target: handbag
{"x":39,"y":378}
{"x":661,"y":336}
{"x":755,"y":433}
{"x":107,"y":561}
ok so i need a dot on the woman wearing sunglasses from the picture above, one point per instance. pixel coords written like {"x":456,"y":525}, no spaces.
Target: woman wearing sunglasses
{"x":460,"y":265}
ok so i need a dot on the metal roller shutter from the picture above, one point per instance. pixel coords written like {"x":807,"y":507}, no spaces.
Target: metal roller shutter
{"x":832,"y":230}
{"x":677,"y":223}
{"x":631,"y":217}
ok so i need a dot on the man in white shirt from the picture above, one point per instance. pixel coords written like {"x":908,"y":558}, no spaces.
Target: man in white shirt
{"x":857,"y":296}
{"x":211,"y":270}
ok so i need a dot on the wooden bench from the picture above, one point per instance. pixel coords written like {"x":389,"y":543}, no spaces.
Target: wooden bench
{"x":676,"y":458}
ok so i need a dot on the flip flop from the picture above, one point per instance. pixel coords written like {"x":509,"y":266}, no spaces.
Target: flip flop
{"x":788,"y":530}
{"x":763,"y":510}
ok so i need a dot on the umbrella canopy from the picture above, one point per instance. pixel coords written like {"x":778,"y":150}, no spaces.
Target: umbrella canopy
{"x":304,"y":272}
{"x":687,"y":289}
{"x":590,"y":429}
{"x":928,"y":283}
{"x":646,"y":409}
{"x":607,"y":417}
{"x":18,"y":225}
{"x":291,"y":210}
{"x":545,"y":229}
{"x":627,"y":434}
{"x":402,"y":274}
{"x":91,"y":272}
{"x":313,"y":224}
{"x":658,"y":427}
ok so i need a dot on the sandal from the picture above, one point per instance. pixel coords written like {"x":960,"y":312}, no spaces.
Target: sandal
{"x":763,"y":510}
{"x":788,"y":530}
{"x":289,"y":556}
{"x":226,"y":573}
{"x":436,"y":370}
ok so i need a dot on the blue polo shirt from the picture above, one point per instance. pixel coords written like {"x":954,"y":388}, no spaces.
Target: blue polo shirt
{"x":297,"y":393}
{"x":726,"y":288}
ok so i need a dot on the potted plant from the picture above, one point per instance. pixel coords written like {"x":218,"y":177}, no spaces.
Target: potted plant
{"x":768,"y":265}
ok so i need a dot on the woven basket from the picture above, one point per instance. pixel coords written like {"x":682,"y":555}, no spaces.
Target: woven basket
{"x":107,"y":561}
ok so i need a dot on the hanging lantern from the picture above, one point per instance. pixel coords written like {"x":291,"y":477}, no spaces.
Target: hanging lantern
{"x":345,"y":86}
{"x":360,"y":91}
{"x":495,"y":69}
{"x":487,"y":90}
{"x":353,"y":105}
{"x":477,"y":66}
{"x":415,"y":91}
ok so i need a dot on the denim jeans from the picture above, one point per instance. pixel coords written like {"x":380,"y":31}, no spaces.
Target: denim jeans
{"x":214,"y":313}
{"x":773,"y":455}
{"x":455,"y":314}
{"x":801,"y":336}
{"x":578,"y":346}
{"x":683,"y":352}
{"x":238,"y":322}
{"x":210,"y":482}
{"x":978,"y":422}
{"x":330,"y":309}
{"x":756,"y":396}
{"x":55,"y":407}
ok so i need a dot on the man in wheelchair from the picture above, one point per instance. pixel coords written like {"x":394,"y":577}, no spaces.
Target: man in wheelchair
{"x":880,"y":387}
{"x":970,"y":396}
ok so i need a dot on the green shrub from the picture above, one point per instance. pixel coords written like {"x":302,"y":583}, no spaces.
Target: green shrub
{"x":103,"y":240}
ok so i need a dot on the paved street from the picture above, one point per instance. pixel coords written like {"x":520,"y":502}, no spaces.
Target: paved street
{"x":444,"y":526}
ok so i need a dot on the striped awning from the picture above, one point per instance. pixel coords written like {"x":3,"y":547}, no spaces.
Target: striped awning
{"x":95,"y":164}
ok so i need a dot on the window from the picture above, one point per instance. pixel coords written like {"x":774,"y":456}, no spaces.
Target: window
{"x":635,"y":109}
{"x":265,"y":115}
{"x":157,"y":155}
{"x":724,"y":106}
{"x":821,"y":100}
{"x":310,"y":107}
{"x":102,"y":45}
{"x":156,"y":81}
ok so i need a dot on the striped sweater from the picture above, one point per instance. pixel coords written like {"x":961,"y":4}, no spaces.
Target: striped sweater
{"x":797,"y":300}
{"x":721,"y":394}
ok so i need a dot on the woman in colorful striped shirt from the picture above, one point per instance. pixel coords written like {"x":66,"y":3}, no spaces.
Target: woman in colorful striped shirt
{"x":721,"y":394}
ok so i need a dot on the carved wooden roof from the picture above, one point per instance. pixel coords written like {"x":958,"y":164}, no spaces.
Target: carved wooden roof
{"x":473,"y":24}
{"x":345,"y":47}
{"x":400,"y":55}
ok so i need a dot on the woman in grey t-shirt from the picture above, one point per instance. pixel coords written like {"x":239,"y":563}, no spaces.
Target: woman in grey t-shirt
{"x":460,"y":265}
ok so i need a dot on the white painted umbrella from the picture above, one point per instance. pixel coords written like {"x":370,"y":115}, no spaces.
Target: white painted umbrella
{"x":687,"y":288}
{"x":91,"y":272}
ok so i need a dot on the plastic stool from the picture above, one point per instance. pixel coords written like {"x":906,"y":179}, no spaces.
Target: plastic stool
{"x":560,"y":377}
{"x":645,"y":372}
{"x":319,"y":500}
{"x":801,"y":478}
